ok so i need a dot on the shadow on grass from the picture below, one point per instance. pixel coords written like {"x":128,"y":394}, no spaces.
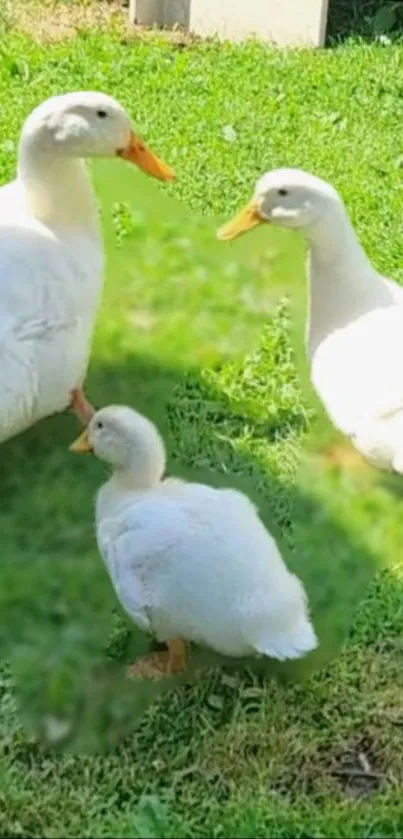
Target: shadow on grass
{"x":335,"y":527}
{"x":57,"y":603}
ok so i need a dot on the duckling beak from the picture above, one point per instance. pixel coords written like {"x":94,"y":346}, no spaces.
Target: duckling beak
{"x":82,"y":445}
{"x":248,"y":218}
{"x":137,"y":152}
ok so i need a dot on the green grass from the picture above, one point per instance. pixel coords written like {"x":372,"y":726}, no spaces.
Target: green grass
{"x":189,"y":332}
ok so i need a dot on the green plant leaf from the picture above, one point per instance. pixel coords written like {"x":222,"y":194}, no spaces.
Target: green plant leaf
{"x":384,"y":19}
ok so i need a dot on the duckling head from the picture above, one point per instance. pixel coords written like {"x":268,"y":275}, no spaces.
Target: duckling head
{"x":126,"y":440}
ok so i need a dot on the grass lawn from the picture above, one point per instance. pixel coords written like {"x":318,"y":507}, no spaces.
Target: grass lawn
{"x":195,"y":323}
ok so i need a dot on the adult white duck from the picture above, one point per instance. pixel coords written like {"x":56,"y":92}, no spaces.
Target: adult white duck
{"x":51,"y":254}
{"x":189,"y":562}
{"x":355,"y":320}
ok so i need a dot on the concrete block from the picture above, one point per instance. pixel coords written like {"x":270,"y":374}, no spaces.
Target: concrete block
{"x":284,"y":22}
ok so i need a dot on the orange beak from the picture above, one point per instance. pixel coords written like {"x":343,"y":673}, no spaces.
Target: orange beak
{"x":137,"y":152}
{"x":248,"y":218}
{"x":82,"y":445}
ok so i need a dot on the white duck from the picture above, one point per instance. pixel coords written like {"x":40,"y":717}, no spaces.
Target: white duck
{"x":189,"y":562}
{"x":355,"y":321}
{"x":51,"y":254}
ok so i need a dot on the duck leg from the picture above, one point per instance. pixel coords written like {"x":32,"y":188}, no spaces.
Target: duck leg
{"x":80,"y":406}
{"x":161,"y":664}
{"x":345,"y":455}
{"x":176,"y":655}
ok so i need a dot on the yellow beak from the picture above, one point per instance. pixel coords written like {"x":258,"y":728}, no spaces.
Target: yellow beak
{"x":248,"y":218}
{"x":137,"y":152}
{"x":82,"y":445}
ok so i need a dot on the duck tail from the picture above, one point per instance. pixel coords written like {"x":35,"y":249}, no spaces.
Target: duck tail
{"x":289,"y":632}
{"x":294,"y":644}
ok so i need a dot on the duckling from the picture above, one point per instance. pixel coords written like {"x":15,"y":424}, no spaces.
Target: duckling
{"x":188,"y":562}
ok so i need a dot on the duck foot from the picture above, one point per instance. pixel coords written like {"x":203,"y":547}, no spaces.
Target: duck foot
{"x":80,"y":406}
{"x":159,"y":665}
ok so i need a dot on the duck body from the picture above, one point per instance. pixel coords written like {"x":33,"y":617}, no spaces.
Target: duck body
{"x":50,"y":287}
{"x":357,"y":378}
{"x":193,"y":562}
{"x":51,"y":254}
{"x":355,"y":315}
{"x":354,"y":343}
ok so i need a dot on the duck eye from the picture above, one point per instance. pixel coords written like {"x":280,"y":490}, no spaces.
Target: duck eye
{"x":102,"y":114}
{"x":283,"y":192}
{"x":100,"y":424}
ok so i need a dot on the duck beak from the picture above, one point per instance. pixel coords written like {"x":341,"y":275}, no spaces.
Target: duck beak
{"x":137,"y":152}
{"x":248,"y":218}
{"x":82,"y":445}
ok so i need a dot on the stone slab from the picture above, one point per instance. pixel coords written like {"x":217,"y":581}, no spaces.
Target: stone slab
{"x":284,"y":22}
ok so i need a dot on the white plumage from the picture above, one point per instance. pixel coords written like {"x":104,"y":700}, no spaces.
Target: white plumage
{"x":51,"y":254}
{"x":186,"y":560}
{"x":355,"y":322}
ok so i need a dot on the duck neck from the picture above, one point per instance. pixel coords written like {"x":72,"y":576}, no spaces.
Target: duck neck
{"x":131,"y":480}
{"x":142,"y":471}
{"x":343,"y":285}
{"x":57,"y":188}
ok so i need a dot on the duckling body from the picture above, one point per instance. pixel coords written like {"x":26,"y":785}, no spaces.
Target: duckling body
{"x":193,"y":562}
{"x":199,"y":565}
